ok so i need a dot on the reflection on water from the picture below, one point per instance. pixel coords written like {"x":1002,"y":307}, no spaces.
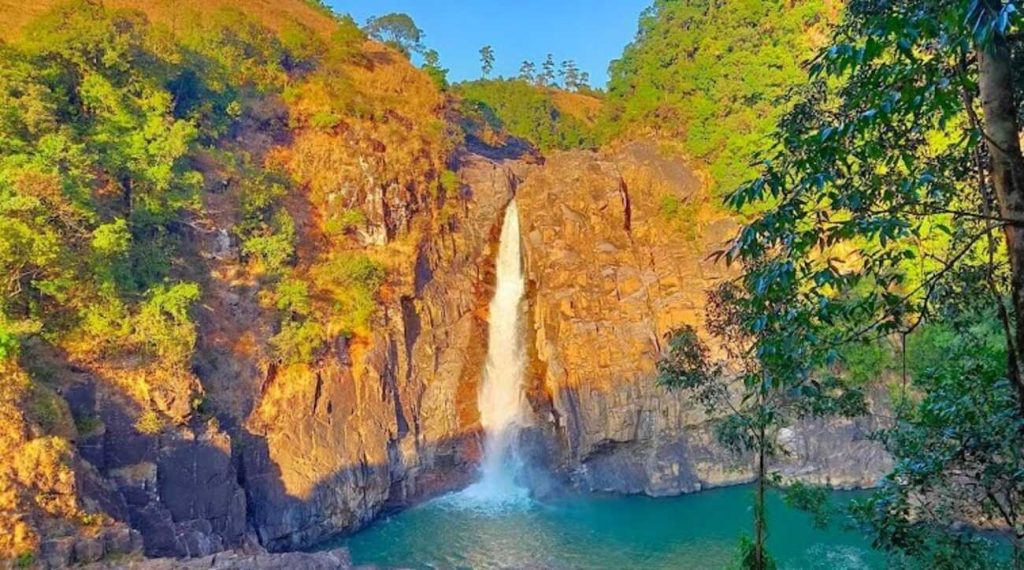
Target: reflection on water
{"x":601,"y":532}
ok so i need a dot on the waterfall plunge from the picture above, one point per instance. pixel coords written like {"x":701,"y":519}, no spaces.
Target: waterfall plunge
{"x":502,"y":404}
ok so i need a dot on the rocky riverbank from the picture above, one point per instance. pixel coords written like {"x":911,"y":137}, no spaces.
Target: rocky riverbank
{"x":238,"y":560}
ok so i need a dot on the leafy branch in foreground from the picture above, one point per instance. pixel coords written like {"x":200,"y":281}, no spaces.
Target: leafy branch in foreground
{"x":751,"y":393}
{"x":876,"y":215}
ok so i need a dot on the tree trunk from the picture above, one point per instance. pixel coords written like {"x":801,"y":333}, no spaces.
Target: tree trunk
{"x":759,"y":526}
{"x":1006,"y":168}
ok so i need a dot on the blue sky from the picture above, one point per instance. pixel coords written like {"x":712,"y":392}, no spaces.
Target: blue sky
{"x":591,"y":32}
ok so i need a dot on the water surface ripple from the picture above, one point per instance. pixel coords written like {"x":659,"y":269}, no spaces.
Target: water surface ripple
{"x":603,"y":532}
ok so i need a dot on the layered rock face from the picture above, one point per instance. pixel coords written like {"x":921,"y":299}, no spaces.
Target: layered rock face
{"x":286,"y":457}
{"x":617,"y":255}
{"x":616,"y":248}
{"x":394,"y":420}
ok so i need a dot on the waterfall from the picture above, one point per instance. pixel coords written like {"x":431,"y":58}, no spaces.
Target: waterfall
{"x":501,"y":401}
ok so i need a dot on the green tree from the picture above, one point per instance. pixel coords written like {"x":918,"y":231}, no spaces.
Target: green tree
{"x":432,"y":65}
{"x":527,"y":71}
{"x":750,"y":393}
{"x":547,"y":71}
{"x":876,"y":211}
{"x":163,"y":323}
{"x":486,"y":60}
{"x":396,"y":30}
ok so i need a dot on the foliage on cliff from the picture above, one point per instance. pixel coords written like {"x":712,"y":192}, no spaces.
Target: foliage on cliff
{"x":94,"y":177}
{"x":713,"y":75}
{"x":133,"y":132}
{"x":548,"y":118}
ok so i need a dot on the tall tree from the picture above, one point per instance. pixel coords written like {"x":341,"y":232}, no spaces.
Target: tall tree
{"x":1001,"y":132}
{"x":527,"y":71}
{"x":570,"y":75}
{"x":750,"y":392}
{"x":432,"y":65}
{"x":486,"y":60}
{"x":547,"y":73}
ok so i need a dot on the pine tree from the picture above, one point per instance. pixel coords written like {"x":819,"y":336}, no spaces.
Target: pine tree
{"x":527,"y":71}
{"x":547,"y":76}
{"x":486,"y":60}
{"x":570,"y":75}
{"x":584,"y":80}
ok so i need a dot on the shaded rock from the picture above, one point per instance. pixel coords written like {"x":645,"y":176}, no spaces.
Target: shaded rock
{"x":88,"y":550}
{"x":57,"y":552}
{"x":120,"y":541}
{"x":235,"y":560}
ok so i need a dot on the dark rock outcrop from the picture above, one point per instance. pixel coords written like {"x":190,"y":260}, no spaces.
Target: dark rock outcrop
{"x":115,"y":542}
{"x":176,"y":486}
{"x":237,"y":560}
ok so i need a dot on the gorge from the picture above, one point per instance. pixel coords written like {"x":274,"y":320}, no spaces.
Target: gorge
{"x":278,"y":293}
{"x":382,"y":426}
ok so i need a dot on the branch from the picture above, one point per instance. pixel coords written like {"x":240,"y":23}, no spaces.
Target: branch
{"x":935,"y":210}
{"x":927,"y":286}
{"x":193,"y":226}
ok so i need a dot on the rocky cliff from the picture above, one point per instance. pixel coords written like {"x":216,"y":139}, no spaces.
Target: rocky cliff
{"x":615,"y":247}
{"x":616,"y":250}
{"x":617,"y":253}
{"x":384,"y":424}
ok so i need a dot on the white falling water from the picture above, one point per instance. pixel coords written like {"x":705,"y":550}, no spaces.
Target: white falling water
{"x":502,"y":403}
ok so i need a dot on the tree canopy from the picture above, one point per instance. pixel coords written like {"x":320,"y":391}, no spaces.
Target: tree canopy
{"x":396,"y":30}
{"x":876,"y":218}
{"x":712,"y":75}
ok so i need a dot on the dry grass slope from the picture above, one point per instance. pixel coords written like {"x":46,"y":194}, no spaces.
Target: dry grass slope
{"x":274,"y":14}
{"x":586,"y":108}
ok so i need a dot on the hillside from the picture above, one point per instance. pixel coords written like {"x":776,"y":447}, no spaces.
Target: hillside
{"x":713,"y":76}
{"x":182,"y":181}
{"x":249,"y":252}
{"x":547,"y":117}
{"x":276,"y":16}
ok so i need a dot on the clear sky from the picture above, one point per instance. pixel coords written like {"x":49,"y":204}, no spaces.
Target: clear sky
{"x":591,"y":32}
